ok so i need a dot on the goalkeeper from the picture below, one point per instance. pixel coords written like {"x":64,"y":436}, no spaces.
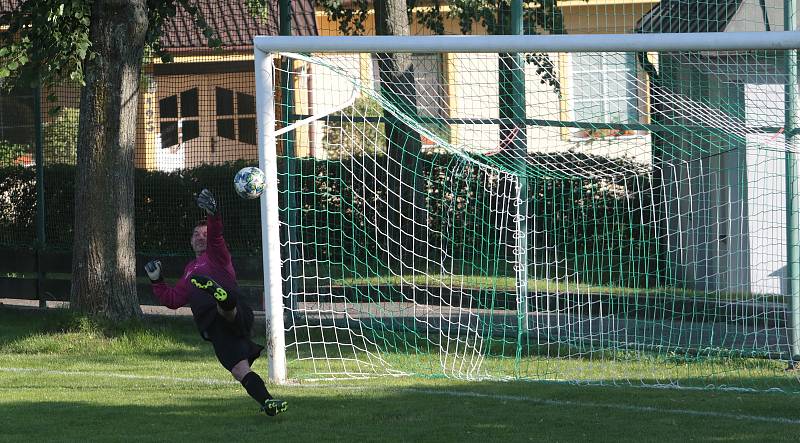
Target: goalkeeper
{"x":209,"y":286}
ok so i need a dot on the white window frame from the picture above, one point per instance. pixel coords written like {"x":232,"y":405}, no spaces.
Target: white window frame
{"x":631,"y":72}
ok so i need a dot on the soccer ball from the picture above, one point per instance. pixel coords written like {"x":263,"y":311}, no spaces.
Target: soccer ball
{"x":249,"y":182}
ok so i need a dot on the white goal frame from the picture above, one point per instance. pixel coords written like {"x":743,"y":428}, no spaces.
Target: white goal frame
{"x":267,"y":47}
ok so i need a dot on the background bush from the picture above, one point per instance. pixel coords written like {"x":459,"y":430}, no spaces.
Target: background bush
{"x":598,"y":229}
{"x":10,"y":153}
{"x":61,"y":137}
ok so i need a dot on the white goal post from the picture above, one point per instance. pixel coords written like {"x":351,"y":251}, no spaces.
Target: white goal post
{"x":595,"y":327}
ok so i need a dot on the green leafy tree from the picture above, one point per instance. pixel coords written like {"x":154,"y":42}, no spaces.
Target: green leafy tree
{"x":61,"y":137}
{"x":100,"y":45}
{"x":338,"y":143}
{"x":493,"y":16}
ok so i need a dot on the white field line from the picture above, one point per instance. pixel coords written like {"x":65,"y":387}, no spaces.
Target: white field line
{"x":517,"y":398}
{"x":617,"y":406}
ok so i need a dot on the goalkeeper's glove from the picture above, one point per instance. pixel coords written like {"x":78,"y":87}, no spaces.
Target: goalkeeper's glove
{"x":153,"y":269}
{"x":207,"y":202}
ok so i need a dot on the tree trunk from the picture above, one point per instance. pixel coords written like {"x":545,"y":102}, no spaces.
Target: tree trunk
{"x":104,"y":258}
{"x":407,"y":236}
{"x":661,"y":158}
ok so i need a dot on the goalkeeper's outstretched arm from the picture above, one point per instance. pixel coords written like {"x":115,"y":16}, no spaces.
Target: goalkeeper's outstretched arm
{"x":171,"y":297}
{"x":217,"y":249}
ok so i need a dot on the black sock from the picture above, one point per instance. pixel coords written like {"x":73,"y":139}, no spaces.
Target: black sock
{"x":255,"y":386}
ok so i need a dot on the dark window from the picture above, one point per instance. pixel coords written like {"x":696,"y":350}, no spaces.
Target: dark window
{"x":168,"y":107}
{"x":224,"y":101}
{"x":225,"y":129}
{"x":189,"y":103}
{"x":191,"y":130}
{"x":17,"y":118}
{"x":429,"y":88}
{"x":175,"y":127}
{"x":246,"y":103}
{"x":169,"y":134}
{"x":247,"y":130}
{"x":431,"y":100}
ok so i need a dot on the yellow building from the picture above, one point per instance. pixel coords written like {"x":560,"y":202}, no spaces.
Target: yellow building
{"x":606,"y":88}
{"x":201,"y":108}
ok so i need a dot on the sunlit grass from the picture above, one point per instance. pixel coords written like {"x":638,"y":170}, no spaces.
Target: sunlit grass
{"x":488,"y":283}
{"x":71,"y":378}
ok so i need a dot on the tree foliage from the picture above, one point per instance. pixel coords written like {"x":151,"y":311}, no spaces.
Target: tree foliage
{"x":46,"y":36}
{"x":48,"y":40}
{"x":258,"y":8}
{"x":61,"y":138}
{"x":351,"y":18}
{"x":97,"y":44}
{"x":539,"y":17}
{"x":346,"y":137}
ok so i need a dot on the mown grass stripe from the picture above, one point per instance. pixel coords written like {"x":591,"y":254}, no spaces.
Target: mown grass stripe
{"x":208,"y":381}
{"x":616,"y":406}
{"x":453,"y":393}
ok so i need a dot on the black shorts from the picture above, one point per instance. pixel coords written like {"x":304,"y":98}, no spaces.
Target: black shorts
{"x":231,"y":340}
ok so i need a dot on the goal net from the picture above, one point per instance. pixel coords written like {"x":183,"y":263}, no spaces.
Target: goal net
{"x":600,"y":217}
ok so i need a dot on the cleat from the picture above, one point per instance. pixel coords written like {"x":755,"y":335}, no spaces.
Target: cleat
{"x":274,"y":407}
{"x":208,"y":285}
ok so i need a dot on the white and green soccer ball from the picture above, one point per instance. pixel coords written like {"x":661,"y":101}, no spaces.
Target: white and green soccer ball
{"x":249,"y":182}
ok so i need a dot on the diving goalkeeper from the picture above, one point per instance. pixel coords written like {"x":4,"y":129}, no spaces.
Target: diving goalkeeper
{"x":209,"y":286}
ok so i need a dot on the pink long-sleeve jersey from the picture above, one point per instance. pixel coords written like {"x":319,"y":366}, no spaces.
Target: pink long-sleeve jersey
{"x":216,"y":263}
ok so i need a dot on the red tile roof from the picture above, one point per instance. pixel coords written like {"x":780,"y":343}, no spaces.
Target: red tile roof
{"x":234,"y":24}
{"x":25,"y":160}
{"x":8,"y":5}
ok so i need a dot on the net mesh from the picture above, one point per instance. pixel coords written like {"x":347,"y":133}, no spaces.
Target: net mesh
{"x":602,"y":223}
{"x":650,"y":190}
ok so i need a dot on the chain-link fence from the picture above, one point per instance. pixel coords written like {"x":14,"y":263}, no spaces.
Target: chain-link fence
{"x":196,"y":126}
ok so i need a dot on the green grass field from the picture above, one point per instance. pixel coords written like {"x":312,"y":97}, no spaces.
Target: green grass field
{"x":66,"y":378}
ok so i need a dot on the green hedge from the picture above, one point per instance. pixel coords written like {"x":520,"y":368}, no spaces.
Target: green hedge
{"x":599,"y":229}
{"x":165,"y":208}
{"x":595,"y":228}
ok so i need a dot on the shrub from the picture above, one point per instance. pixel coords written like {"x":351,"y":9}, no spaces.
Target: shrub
{"x":339,"y":203}
{"x":12,"y":153}
{"x":61,"y":138}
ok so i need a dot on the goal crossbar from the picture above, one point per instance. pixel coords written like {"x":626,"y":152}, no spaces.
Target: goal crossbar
{"x":466,"y":331}
{"x":706,"y":41}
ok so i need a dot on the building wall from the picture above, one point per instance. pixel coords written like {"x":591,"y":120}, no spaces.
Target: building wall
{"x":725,"y":193}
{"x":471,"y":93}
{"x":603,"y":16}
{"x":765,"y":183}
{"x":155,"y":148}
{"x":750,"y":16}
{"x":472,"y":88}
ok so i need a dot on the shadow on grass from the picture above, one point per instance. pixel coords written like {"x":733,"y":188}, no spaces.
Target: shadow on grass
{"x":61,"y":331}
{"x":410,"y":413}
{"x":175,"y":339}
{"x":328,"y":350}
{"x":24,"y":321}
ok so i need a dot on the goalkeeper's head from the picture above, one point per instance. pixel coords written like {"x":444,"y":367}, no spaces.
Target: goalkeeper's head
{"x":198,"y":239}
